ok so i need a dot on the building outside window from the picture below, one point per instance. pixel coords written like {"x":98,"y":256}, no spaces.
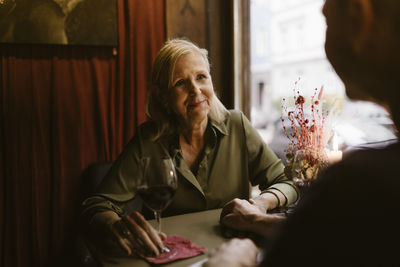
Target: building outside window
{"x":287,"y":44}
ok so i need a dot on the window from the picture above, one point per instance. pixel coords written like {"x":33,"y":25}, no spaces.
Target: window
{"x":287,"y":43}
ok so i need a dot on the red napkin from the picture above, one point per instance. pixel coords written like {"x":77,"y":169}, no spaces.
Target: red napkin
{"x":180,"y":248}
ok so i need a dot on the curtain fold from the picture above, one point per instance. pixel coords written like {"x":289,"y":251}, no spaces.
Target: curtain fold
{"x":61,"y":109}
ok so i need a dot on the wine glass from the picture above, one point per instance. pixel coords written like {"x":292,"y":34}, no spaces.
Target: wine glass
{"x":157,"y":186}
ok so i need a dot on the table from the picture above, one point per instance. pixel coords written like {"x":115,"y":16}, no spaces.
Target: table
{"x":202,"y":228}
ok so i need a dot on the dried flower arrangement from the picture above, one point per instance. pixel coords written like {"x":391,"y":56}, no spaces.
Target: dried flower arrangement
{"x":308,"y":136}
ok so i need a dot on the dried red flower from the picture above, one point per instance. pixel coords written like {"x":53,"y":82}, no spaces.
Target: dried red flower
{"x":300,"y":100}
{"x":301,"y":135}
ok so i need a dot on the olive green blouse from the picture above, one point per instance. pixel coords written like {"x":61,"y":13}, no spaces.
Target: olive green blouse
{"x":234,"y":156}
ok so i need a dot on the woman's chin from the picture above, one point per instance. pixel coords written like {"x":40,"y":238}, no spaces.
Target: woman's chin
{"x":198,"y":115}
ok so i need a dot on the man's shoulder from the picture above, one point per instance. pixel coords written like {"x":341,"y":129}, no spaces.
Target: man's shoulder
{"x":374,"y":157}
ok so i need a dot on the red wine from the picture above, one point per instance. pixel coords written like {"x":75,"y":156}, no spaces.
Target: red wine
{"x":156,"y":197}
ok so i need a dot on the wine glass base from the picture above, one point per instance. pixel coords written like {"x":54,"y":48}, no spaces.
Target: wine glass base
{"x":167,"y":254}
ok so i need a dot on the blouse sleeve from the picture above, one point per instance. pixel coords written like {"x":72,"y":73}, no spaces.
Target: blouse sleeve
{"x":118,"y":186}
{"x":265,"y":168}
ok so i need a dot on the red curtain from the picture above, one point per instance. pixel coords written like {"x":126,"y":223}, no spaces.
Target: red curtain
{"x":61,"y":109}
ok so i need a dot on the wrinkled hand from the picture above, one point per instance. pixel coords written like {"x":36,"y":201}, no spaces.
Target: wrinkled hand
{"x":239,"y":214}
{"x":236,"y":252}
{"x":133,"y":232}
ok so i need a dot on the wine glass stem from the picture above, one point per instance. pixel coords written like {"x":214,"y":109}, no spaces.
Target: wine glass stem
{"x":157,"y":215}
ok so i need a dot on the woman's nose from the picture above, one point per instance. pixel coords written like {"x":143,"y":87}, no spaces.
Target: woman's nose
{"x":194,"y":88}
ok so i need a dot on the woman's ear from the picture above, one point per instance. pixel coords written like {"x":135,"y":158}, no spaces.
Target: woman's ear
{"x":361,"y":23}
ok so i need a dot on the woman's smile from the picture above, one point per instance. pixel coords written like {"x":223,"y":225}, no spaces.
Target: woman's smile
{"x":197,"y":104}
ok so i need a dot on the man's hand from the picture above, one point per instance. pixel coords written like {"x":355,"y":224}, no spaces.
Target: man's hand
{"x":236,"y":252}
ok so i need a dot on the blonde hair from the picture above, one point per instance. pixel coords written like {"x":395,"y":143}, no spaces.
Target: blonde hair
{"x":157,"y":107}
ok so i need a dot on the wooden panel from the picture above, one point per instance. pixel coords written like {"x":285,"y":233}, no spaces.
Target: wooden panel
{"x":210,"y":24}
{"x":220,"y":47}
{"x":187,"y":18}
{"x":241,"y":57}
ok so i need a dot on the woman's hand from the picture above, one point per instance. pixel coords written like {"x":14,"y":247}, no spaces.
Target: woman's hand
{"x":134,"y":232}
{"x":131,"y":232}
{"x":236,"y":252}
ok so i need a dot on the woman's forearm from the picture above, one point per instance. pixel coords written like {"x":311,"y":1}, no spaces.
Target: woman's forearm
{"x":270,"y":199}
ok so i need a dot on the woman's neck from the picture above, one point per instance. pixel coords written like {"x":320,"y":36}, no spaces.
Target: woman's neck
{"x":192,"y":142}
{"x":193,"y":134}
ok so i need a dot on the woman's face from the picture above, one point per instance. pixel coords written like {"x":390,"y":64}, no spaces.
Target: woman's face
{"x":192,"y":88}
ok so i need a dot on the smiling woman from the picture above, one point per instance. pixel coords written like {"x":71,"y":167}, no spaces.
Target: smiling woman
{"x":216,"y":152}
{"x":191,"y":94}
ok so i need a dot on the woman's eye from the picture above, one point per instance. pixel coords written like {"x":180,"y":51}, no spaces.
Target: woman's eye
{"x":201,"y":76}
{"x":179,"y":83}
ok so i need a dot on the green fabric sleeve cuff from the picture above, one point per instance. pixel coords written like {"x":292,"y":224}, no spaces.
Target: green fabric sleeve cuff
{"x":288,"y":190}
